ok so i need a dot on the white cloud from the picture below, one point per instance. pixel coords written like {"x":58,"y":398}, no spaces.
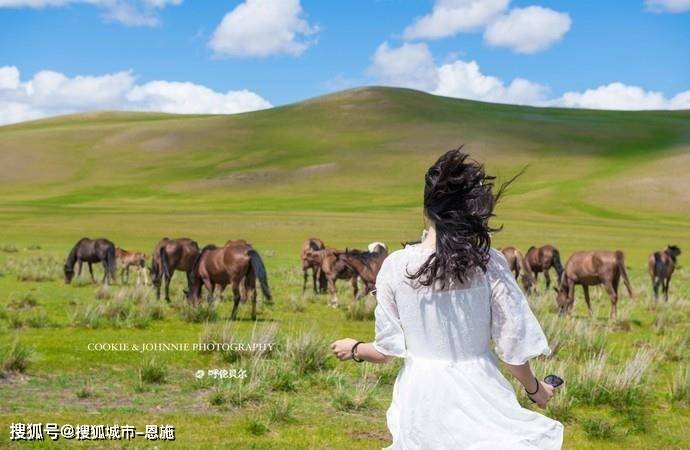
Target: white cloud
{"x":528,"y":30}
{"x":126,"y":12}
{"x":190,"y":98}
{"x":620,"y":96}
{"x":410,"y":65}
{"x":413,"y":66}
{"x":262,"y":28}
{"x":450,"y":17}
{"x":50,"y":93}
{"x":670,"y":6}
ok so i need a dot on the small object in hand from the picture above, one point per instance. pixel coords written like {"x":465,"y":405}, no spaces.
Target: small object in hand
{"x":553,"y":380}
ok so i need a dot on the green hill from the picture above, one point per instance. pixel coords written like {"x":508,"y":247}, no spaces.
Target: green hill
{"x":336,"y":160}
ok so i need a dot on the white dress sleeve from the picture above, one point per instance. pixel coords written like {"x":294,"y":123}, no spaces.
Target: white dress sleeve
{"x":516,"y":333}
{"x":389,"y":339}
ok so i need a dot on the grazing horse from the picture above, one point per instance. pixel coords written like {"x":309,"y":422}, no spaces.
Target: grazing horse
{"x":661,"y":267}
{"x":233,"y":263}
{"x":308,"y":262}
{"x":126,"y":259}
{"x":92,"y":251}
{"x":516,"y":263}
{"x":168,"y":256}
{"x":333,"y":268}
{"x":541,"y":260}
{"x":366,"y":265}
{"x":589,"y":269}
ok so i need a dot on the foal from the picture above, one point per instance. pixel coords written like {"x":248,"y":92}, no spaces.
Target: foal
{"x":126,"y":259}
{"x":661,"y":267}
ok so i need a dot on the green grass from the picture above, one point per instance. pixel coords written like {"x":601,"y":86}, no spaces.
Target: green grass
{"x":347,"y":168}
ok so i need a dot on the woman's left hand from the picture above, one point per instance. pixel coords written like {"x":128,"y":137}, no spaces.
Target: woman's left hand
{"x":342,"y":348}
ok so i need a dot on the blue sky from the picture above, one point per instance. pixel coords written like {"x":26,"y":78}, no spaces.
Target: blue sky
{"x":638,"y":51}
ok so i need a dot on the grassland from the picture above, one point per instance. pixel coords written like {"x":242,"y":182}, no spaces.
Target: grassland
{"x":346,"y":168}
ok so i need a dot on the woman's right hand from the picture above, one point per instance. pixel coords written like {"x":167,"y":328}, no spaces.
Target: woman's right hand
{"x":543,"y":395}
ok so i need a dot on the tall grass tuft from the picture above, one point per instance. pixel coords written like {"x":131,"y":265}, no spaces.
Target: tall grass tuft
{"x":152,"y":371}
{"x":357,"y":397}
{"x":203,"y":312}
{"x":680,"y":386}
{"x":35,"y":268}
{"x":307,"y":352}
{"x":17,"y":358}
{"x":362,"y":309}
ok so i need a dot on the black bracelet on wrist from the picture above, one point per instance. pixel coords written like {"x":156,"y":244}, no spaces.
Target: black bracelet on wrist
{"x":536,"y":390}
{"x":354,"y":352}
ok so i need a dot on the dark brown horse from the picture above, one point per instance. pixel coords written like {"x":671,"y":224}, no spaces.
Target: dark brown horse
{"x":232,"y":264}
{"x":366,"y":265}
{"x":312,"y":244}
{"x":168,"y":256}
{"x":589,"y":269}
{"x":333,"y":268}
{"x":517,"y":265}
{"x":661,"y":267}
{"x":126,"y":260}
{"x":542,"y":259}
{"x":92,"y":251}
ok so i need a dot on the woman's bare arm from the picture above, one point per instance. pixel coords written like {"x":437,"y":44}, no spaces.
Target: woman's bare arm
{"x":366,"y":351}
{"x":542,"y":391}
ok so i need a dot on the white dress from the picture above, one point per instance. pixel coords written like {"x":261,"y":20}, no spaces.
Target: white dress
{"x":449,"y":393}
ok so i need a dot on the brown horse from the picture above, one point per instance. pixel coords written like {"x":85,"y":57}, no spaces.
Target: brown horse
{"x":312,"y":244}
{"x":542,"y":259}
{"x":366,"y":265}
{"x":589,"y":269}
{"x":661,"y":267}
{"x":333,"y":268}
{"x":516,"y":263}
{"x":168,"y":256}
{"x":92,"y":251}
{"x":233,"y":263}
{"x":126,"y":259}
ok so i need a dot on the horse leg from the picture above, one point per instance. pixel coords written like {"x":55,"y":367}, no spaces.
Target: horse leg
{"x":211,"y":288}
{"x":250,"y":291}
{"x":304,"y":284}
{"x":355,"y":288}
{"x":611,"y":289}
{"x":571,"y":297}
{"x":548,"y":279}
{"x":667,"y":281}
{"x":314,"y":274}
{"x":167,"y":286}
{"x":589,"y":306}
{"x":235,"y":299}
{"x":331,"y":290}
{"x":655,"y":285}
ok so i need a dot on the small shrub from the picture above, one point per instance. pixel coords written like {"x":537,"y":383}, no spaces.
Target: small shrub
{"x":297,"y":304}
{"x":17,"y":358}
{"x":33,"y":247}
{"x":204,"y":312}
{"x":88,"y":316}
{"x":153,"y":371}
{"x":24,"y":301}
{"x":37,"y":268}
{"x":8,"y":248}
{"x":256,"y":426}
{"x":354,"y":399}
{"x":282,"y":410}
{"x":598,"y":428}
{"x":85,"y":391}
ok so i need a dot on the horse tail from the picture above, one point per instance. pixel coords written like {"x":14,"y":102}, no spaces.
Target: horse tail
{"x":557,"y":262}
{"x":111,"y":260}
{"x":165,"y":264}
{"x":260,"y":272}
{"x":620,"y":258}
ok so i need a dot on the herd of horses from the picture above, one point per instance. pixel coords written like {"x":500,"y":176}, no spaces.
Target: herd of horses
{"x":588,"y":268}
{"x":236,"y":264}
{"x":239,"y":265}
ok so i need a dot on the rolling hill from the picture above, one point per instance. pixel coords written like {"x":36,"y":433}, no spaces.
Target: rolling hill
{"x":347,"y":166}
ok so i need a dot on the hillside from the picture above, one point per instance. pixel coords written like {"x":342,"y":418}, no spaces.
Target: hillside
{"x":354,"y":152}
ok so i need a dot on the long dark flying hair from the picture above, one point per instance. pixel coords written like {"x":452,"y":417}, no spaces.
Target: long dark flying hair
{"x":459,"y":200}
